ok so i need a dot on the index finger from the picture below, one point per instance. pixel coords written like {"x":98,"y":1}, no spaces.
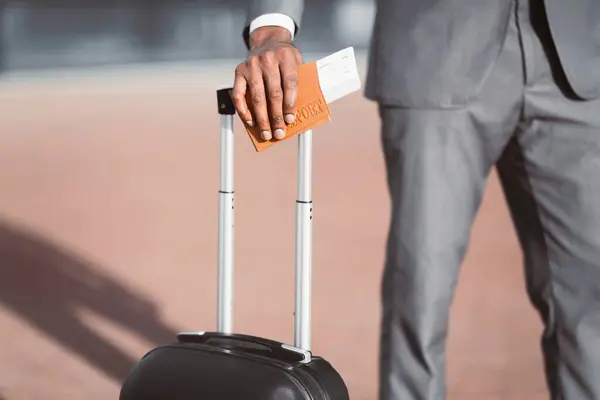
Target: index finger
{"x":289,"y":79}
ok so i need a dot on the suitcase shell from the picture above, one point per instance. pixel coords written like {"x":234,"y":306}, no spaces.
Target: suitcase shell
{"x":223,"y":365}
{"x":229,"y":366}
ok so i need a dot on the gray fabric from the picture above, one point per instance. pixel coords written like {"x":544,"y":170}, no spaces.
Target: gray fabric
{"x":547,"y":149}
{"x":256,"y":8}
{"x":437,"y":53}
{"x":434,"y":53}
{"x":576,"y":30}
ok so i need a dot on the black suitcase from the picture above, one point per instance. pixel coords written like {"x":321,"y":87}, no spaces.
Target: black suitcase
{"x":223,"y":365}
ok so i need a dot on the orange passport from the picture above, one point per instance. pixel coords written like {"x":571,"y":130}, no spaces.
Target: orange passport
{"x":311,"y":108}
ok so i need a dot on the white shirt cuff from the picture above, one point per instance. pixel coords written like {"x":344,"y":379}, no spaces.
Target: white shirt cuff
{"x":274,"y":19}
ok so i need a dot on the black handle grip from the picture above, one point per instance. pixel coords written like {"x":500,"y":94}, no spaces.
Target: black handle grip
{"x":247,"y":343}
{"x":225,"y":102}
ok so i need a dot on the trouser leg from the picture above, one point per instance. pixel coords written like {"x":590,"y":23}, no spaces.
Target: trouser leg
{"x":551,"y":175}
{"x":437,"y":163}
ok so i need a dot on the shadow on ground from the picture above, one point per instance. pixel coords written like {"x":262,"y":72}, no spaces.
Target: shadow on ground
{"x":45,"y":285}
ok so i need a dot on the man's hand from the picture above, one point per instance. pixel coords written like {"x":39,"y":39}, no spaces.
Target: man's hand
{"x":270,"y":76}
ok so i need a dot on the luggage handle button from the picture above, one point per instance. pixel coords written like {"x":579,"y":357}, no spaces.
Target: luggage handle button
{"x":306,"y":354}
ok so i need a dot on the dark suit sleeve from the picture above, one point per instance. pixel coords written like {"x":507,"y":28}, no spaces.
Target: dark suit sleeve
{"x":256,"y":8}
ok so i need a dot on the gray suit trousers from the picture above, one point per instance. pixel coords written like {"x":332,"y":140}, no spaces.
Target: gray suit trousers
{"x":546,"y":147}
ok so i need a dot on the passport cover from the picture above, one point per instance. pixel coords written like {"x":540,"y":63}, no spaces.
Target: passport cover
{"x":311,"y":109}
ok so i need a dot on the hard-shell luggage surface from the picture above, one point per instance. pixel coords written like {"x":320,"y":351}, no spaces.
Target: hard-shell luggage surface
{"x":224,"y":365}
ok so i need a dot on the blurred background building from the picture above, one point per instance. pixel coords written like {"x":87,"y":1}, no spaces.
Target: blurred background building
{"x":77,"y":33}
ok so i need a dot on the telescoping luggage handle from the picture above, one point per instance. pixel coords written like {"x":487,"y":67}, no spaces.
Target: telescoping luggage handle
{"x":303,"y":245}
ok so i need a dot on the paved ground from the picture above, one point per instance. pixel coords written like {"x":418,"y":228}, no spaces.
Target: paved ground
{"x":108,"y":241}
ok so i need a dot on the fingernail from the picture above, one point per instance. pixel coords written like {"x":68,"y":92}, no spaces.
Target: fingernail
{"x":289,"y":118}
{"x":279,"y":134}
{"x":249,"y":123}
{"x":266,"y":135}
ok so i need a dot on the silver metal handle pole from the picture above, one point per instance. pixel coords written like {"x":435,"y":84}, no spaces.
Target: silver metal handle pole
{"x":226,"y":215}
{"x":302,"y":314}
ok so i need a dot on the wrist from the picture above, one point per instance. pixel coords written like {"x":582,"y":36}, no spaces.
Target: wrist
{"x":267,"y":34}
